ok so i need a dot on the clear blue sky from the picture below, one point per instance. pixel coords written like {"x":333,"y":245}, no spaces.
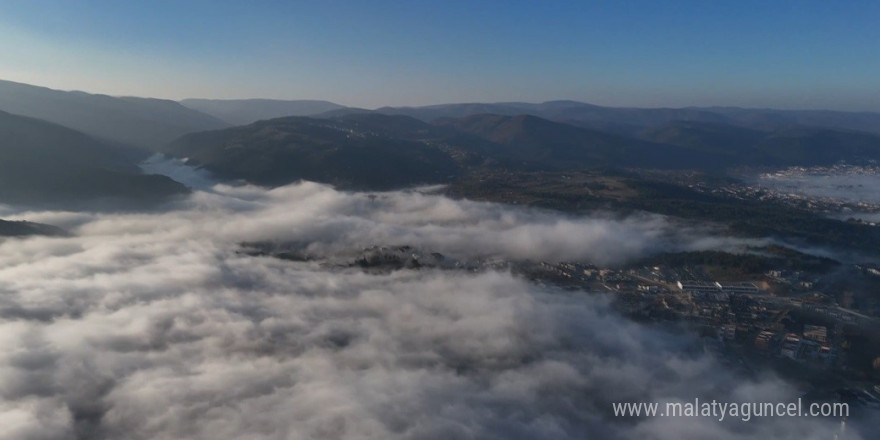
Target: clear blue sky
{"x":786,"y":54}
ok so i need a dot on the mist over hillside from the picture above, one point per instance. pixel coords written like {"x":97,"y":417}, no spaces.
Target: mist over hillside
{"x":44,"y":164}
{"x":157,"y":325}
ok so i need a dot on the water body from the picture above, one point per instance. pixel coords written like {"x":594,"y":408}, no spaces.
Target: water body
{"x":179,"y":170}
{"x":861,"y":185}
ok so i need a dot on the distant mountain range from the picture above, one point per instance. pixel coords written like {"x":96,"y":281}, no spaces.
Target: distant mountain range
{"x":541,"y":144}
{"x":355,"y":151}
{"x":45,"y":164}
{"x":372,"y":150}
{"x":631,"y":120}
{"x":620,"y":120}
{"x":795,"y":145}
{"x":73,"y":150}
{"x":143,"y":122}
{"x":86,"y":146}
{"x":246,"y":111}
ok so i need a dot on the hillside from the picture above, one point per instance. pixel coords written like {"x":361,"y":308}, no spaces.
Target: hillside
{"x":794,"y":146}
{"x":816,"y":146}
{"x":24,"y":229}
{"x":624,"y":191}
{"x":372,"y":150}
{"x":144,"y":122}
{"x":246,"y":111}
{"x":351,"y":152}
{"x":544,"y":144}
{"x":630,"y":120}
{"x":46,"y":164}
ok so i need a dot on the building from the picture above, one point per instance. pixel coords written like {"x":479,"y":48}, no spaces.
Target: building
{"x":790,"y":346}
{"x":728,"y":332}
{"x":762,"y":341}
{"x":698,"y":286}
{"x":738,"y":287}
{"x":816,"y":333}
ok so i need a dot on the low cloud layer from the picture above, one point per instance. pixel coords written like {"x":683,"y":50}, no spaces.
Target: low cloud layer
{"x":327,"y":222}
{"x":153,"y":326}
{"x":849,"y":186}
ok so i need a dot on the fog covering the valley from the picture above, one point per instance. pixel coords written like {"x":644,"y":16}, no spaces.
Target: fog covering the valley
{"x":850,"y":186}
{"x":155,"y":326}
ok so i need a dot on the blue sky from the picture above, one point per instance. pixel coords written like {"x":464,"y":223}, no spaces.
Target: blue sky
{"x":786,"y":54}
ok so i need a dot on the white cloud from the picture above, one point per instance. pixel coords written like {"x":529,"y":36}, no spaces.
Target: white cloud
{"x":153,"y":326}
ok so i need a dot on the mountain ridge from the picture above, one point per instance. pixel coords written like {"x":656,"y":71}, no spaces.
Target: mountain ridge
{"x":144,"y":122}
{"x":247,"y":111}
{"x":347,"y":153}
{"x":24,"y":229}
{"x":632,"y":119}
{"x":47,"y":164}
{"x":519,"y":142}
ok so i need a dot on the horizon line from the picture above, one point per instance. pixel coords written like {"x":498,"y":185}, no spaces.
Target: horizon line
{"x":706,"y":107}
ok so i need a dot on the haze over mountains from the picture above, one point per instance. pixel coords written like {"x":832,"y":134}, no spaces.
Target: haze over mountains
{"x":629,"y":120}
{"x":375,"y":150}
{"x":99,"y":140}
{"x":344,"y":151}
{"x":254,"y":304}
{"x":617,"y":119}
{"x":143,"y":122}
{"x":246,"y":111}
{"x":46,"y":164}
